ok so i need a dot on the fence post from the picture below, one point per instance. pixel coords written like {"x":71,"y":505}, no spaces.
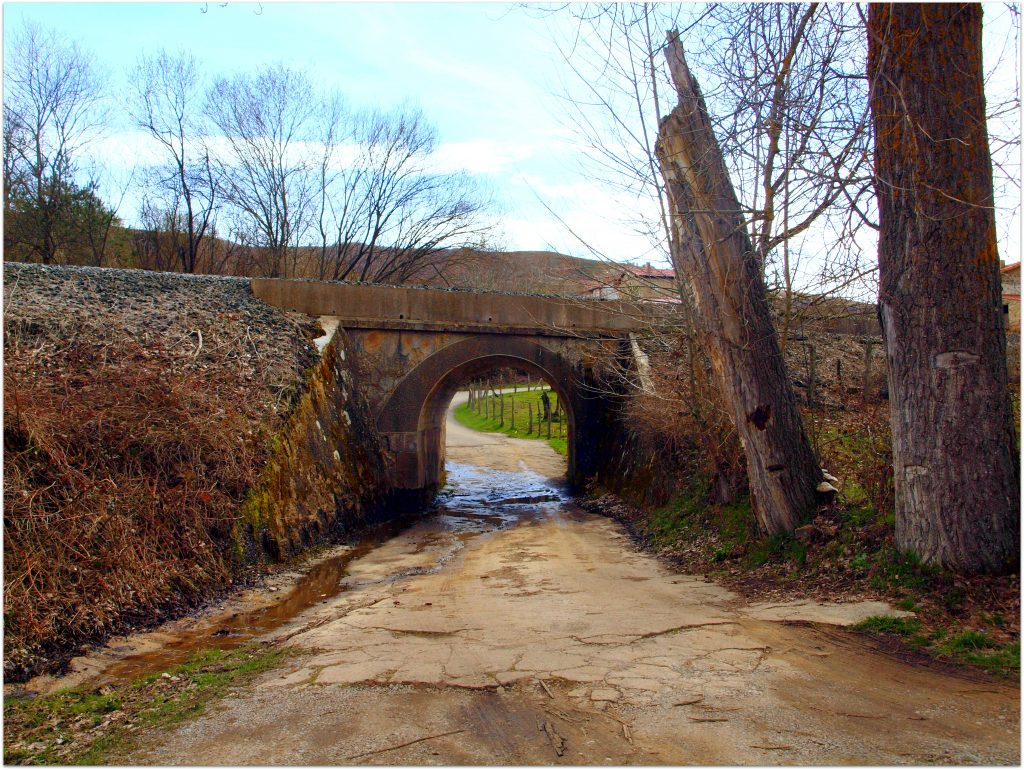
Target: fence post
{"x":812,"y":376}
{"x":529,"y":429}
{"x":513,"y":408}
{"x":501,"y":421}
{"x":869,"y":351}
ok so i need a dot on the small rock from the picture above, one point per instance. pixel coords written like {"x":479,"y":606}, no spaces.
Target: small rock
{"x":604,"y":694}
{"x":165,"y":675}
{"x":806,"y":534}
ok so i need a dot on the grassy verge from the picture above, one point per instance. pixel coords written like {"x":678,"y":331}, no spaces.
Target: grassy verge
{"x":517,"y":418}
{"x":978,"y":648}
{"x":100,"y":726}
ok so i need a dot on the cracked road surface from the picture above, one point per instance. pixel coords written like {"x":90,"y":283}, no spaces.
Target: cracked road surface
{"x":511,"y":628}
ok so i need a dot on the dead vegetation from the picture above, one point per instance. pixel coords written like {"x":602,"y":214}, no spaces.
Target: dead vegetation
{"x":128,"y":448}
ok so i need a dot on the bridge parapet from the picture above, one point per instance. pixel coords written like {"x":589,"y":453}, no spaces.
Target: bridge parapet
{"x":365,"y":306}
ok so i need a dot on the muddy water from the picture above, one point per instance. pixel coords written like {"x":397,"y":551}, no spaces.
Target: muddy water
{"x":476,"y":501}
{"x":321,"y":582}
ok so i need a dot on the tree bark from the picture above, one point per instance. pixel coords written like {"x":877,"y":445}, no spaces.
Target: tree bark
{"x":955,"y":460}
{"x":712,"y":250}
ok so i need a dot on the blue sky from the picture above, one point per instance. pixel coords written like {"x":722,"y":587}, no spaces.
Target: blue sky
{"x":480,"y":72}
{"x":487,"y":75}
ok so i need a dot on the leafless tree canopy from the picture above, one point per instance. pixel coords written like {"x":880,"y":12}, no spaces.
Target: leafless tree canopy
{"x":168,"y":106}
{"x":786,"y":90}
{"x":394,"y":217}
{"x":268,"y":121}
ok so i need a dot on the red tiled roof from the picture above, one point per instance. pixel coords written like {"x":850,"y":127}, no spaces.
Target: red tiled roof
{"x":1008,"y":268}
{"x":647,"y":271}
{"x":1012,"y":296}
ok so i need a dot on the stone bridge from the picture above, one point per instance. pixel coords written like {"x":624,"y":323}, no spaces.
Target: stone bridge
{"x":416,"y":347}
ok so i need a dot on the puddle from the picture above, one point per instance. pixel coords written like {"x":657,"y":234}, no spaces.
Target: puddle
{"x":476,"y":501}
{"x":323,"y":581}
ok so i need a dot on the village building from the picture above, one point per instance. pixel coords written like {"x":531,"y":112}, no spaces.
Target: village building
{"x":1011,"y":296}
{"x":636,"y":282}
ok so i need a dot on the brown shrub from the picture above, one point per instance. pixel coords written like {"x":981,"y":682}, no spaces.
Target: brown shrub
{"x":124,"y":467}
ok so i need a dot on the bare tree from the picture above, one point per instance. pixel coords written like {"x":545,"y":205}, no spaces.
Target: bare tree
{"x":395,"y":217}
{"x":788,"y":99}
{"x":957,"y":471}
{"x":791,"y":96}
{"x":168,"y":106}
{"x":268,"y":174}
{"x":52,"y":108}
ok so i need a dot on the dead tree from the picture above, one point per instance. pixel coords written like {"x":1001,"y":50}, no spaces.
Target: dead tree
{"x":956,"y":466}
{"x":712,"y":250}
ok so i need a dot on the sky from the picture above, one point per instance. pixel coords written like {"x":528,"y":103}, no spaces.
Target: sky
{"x":481,"y":74}
{"x":486,"y":75}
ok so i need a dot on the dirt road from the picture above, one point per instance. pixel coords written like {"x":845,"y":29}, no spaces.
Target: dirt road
{"x":509,"y":627}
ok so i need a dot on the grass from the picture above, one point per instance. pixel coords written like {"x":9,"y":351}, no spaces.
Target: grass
{"x":517,"y":423}
{"x":90,"y":727}
{"x":970,"y":646}
{"x":887,"y":624}
{"x":681,"y":514}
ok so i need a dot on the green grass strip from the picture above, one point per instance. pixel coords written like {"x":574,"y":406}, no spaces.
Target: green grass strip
{"x":97,"y":726}
{"x":489,"y":420}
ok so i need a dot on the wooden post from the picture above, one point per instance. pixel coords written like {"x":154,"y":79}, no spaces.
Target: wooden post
{"x":839,"y":376}
{"x":812,"y":374}
{"x":513,"y":408}
{"x":869,"y":352}
{"x":501,"y":420}
{"x":549,"y":425}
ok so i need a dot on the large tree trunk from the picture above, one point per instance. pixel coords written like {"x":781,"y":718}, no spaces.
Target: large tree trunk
{"x":956,"y":473}
{"x":712,"y":250}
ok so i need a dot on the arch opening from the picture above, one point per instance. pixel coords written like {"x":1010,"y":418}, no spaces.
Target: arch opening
{"x":413,"y":417}
{"x":433,"y":417}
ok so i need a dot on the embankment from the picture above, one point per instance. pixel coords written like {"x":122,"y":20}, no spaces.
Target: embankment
{"x":162,"y":433}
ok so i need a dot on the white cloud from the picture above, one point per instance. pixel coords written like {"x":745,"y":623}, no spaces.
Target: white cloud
{"x":480,"y":156}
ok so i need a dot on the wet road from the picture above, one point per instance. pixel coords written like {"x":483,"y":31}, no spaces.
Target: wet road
{"x":510,"y":627}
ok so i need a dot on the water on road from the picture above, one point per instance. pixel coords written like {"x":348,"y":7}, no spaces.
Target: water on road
{"x":510,"y":627}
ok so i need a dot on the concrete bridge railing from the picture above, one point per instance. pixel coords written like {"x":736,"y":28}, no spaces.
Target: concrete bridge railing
{"x":404,"y":307}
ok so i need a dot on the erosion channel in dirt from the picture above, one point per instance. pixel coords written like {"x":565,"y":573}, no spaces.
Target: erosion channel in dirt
{"x":510,"y":627}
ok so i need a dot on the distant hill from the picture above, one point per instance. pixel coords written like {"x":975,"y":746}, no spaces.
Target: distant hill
{"x":540,"y":272}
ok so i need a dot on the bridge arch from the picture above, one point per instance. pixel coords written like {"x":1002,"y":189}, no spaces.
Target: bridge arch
{"x":412,"y":418}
